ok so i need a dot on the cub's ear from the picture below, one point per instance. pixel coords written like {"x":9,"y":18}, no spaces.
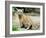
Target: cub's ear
{"x":16,"y":8}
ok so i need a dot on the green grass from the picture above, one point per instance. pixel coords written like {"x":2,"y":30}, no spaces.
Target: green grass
{"x":14,"y":28}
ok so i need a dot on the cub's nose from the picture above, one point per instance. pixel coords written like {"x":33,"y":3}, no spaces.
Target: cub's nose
{"x":20,"y":16}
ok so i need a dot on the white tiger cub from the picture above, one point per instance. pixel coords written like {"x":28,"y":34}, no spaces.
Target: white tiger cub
{"x":25,"y":21}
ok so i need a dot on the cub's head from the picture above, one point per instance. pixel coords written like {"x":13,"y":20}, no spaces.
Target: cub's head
{"x":19,"y":11}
